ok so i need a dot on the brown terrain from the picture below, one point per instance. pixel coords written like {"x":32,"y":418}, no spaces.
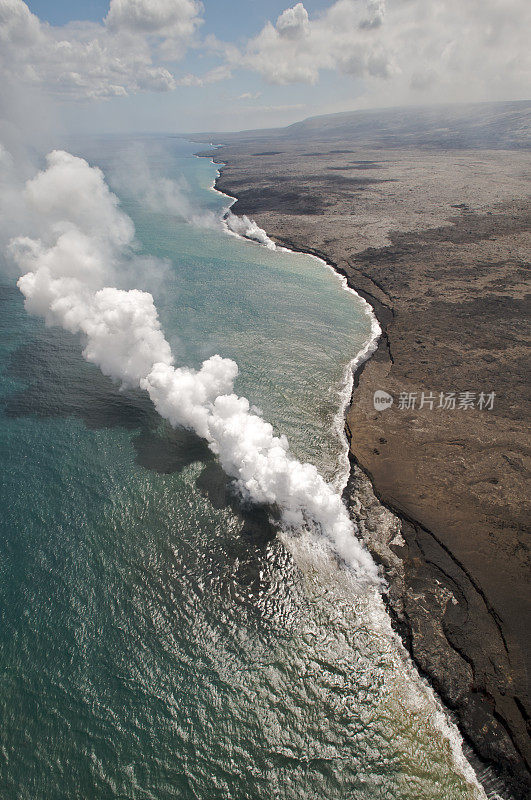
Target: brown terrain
{"x":427,"y":214}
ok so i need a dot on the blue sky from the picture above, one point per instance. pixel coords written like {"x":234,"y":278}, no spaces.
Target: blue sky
{"x":192,"y":109}
{"x":183,"y":65}
{"x":228,"y":19}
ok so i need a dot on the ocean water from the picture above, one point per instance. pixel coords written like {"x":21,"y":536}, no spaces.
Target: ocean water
{"x":158,"y":638}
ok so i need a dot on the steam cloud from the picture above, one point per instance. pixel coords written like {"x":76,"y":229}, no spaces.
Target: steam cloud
{"x":161,"y":194}
{"x":134,"y":176}
{"x":247,"y":229}
{"x":66,"y":270}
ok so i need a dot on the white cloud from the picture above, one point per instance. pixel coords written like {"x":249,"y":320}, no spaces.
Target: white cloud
{"x":172,"y":22}
{"x":163,"y":17}
{"x":375,"y":14}
{"x":298,"y":49}
{"x":214,"y":75}
{"x":399,"y":50}
{"x":88,"y":60}
{"x":404,"y":49}
{"x":293,"y":23}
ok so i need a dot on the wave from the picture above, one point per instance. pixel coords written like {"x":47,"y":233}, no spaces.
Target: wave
{"x":245,"y":228}
{"x":66,"y":273}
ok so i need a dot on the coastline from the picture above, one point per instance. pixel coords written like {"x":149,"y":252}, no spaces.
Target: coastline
{"x":479,"y":772}
{"x":355,"y":365}
{"x":432,"y":649}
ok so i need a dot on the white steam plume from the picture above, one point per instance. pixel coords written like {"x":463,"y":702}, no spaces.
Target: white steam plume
{"x":133,"y":175}
{"x":136,"y":177}
{"x":66,"y":271}
{"x":247,"y":229}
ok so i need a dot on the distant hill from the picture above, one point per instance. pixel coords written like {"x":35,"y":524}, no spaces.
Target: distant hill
{"x":504,"y":125}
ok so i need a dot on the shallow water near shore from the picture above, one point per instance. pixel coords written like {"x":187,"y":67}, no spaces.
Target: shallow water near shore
{"x":158,"y":639}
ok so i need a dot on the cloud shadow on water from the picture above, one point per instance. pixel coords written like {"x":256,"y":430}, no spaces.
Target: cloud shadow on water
{"x":60,"y":384}
{"x":55,"y":382}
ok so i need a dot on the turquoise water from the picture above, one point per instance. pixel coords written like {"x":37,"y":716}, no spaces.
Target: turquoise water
{"x":158,"y":639}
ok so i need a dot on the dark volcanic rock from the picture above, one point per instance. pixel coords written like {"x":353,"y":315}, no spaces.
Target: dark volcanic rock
{"x":438,"y":241}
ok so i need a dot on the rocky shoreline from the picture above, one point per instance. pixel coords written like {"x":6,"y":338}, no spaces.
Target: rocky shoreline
{"x":442,"y":276}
